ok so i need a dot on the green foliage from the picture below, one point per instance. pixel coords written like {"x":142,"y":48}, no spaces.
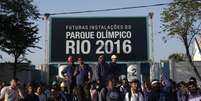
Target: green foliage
{"x":182,"y":18}
{"x":177,"y":57}
{"x":18,"y":32}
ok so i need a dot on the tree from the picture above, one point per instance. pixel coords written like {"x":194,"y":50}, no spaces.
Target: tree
{"x":177,"y":57}
{"x":18,"y":32}
{"x":182,"y":20}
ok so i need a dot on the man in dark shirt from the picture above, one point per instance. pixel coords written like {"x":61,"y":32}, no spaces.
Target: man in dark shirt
{"x":83,"y":75}
{"x":31,"y":96}
{"x":69,"y":74}
{"x":160,"y":90}
{"x":102,"y":71}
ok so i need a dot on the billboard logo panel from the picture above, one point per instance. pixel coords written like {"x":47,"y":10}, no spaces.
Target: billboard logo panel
{"x":91,"y":37}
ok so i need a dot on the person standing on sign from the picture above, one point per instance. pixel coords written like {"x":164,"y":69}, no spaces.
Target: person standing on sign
{"x":102,"y":71}
{"x":68,"y":74}
{"x":114,"y":68}
{"x":83,"y":77}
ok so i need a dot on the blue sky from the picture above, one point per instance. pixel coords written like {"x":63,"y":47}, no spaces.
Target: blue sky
{"x":161,"y":50}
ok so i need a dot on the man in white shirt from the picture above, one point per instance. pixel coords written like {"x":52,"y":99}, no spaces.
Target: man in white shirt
{"x":12,"y":92}
{"x":134,"y":94}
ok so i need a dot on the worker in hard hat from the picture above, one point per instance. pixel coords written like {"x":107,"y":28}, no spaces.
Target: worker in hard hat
{"x":114,"y":67}
{"x":114,"y":58}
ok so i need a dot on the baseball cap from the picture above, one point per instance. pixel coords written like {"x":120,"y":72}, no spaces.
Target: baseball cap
{"x":154,"y":82}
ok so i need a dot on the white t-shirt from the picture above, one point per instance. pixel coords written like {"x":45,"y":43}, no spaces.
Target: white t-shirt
{"x":196,"y":97}
{"x":10,"y":94}
{"x":134,"y":97}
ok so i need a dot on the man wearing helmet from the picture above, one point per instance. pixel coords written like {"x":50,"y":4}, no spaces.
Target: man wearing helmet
{"x":114,"y":67}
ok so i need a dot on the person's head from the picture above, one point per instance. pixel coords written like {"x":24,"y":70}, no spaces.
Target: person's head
{"x":30,"y":89}
{"x":54,"y":84}
{"x":3,"y":84}
{"x":53,"y":92}
{"x":155,"y":84}
{"x":193,"y":79}
{"x":13,"y":82}
{"x":92,"y":85}
{"x":134,"y":84}
{"x":181,"y":86}
{"x":80,"y":60}
{"x":192,"y":87}
{"x":122,"y":79}
{"x":39,"y":90}
{"x":114,"y":58}
{"x":70,"y":59}
{"x":101,"y":59}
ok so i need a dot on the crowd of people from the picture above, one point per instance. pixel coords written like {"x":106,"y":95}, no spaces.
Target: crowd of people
{"x":109,"y":85}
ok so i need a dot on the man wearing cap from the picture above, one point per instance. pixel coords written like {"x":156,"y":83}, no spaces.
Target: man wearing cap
{"x":114,"y":68}
{"x":160,"y":91}
{"x":102,"y":71}
{"x":68,"y":74}
{"x":155,"y":93}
